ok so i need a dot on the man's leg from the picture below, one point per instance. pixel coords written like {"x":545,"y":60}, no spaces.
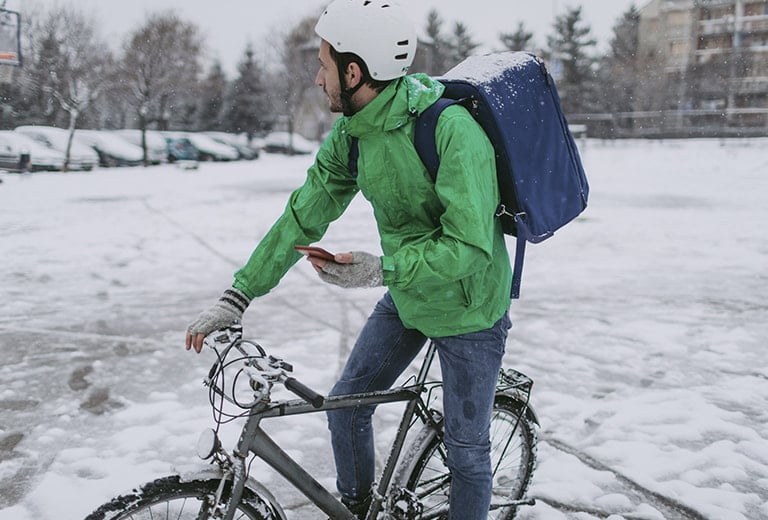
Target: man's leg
{"x":382,"y":352}
{"x":470,"y":365}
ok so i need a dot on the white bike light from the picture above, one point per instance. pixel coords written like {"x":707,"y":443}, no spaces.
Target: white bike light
{"x":207,"y":444}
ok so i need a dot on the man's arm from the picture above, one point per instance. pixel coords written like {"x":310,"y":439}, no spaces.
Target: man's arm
{"x":325,"y":194}
{"x":467,"y":188}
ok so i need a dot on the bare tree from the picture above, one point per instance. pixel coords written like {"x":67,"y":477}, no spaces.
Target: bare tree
{"x":70,"y":66}
{"x":161,"y":59}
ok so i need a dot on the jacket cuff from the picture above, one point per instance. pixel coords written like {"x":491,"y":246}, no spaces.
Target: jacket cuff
{"x":388,"y":269}
{"x":245,"y":290}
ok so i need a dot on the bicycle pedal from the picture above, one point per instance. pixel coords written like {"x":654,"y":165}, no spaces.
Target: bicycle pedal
{"x":405,"y":505}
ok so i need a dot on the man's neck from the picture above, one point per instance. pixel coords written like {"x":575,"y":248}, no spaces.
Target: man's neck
{"x":362,"y":97}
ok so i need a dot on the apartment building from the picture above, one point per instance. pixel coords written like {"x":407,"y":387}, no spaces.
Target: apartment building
{"x":711,"y":59}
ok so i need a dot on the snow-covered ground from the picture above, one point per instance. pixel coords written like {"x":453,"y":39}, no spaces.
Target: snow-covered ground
{"x":644,"y":325}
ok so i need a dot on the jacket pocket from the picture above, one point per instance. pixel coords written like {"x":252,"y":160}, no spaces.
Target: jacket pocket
{"x":464,"y":285}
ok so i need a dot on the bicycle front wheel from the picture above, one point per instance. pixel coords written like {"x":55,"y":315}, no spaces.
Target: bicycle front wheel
{"x":170,"y":498}
{"x":513,"y":457}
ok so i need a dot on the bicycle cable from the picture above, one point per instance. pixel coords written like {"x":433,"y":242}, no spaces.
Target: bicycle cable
{"x":218,"y":389}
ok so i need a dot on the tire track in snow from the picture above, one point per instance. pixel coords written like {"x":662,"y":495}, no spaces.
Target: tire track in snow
{"x":84,"y":335}
{"x":344,"y":303}
{"x":670,"y":508}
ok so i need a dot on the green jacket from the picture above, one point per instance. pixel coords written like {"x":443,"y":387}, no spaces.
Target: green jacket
{"x":445,"y":260}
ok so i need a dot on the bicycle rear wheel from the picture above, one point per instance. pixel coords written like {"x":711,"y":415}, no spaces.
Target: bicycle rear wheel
{"x":513,"y":457}
{"x":170,"y":498}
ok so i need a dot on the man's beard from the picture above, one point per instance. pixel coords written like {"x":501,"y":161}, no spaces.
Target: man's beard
{"x":334,"y":101}
{"x":341,"y":102}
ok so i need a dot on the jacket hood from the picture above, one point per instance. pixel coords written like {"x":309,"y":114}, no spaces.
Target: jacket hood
{"x":401,"y":100}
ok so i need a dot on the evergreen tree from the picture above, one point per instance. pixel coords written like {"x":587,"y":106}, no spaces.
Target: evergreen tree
{"x":36,"y":80}
{"x":520,"y":40}
{"x":210,"y":107}
{"x":248,"y":110}
{"x":619,"y":69}
{"x":572,"y":65}
{"x":9,"y":105}
{"x":438,"y":48}
{"x":462,"y":44}
{"x":440,"y":51}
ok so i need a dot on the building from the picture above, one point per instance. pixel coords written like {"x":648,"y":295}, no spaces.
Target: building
{"x":711,"y":63}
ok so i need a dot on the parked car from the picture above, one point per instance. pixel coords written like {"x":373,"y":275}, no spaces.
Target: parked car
{"x":157,"y":149}
{"x":181,"y":149}
{"x":10,"y":157}
{"x":19,"y":152}
{"x":291,"y":144}
{"x":113,"y":150}
{"x":208,"y":149}
{"x":239,"y":143}
{"x":257,"y":143}
{"x":81,"y":156}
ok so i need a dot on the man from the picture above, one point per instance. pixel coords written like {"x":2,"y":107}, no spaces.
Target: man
{"x":445,"y":262}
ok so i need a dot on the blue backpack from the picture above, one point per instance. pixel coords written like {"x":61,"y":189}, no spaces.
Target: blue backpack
{"x":541,"y":179}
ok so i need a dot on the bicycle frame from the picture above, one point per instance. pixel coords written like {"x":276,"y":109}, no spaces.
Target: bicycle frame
{"x":419,"y":489}
{"x":254,"y":439}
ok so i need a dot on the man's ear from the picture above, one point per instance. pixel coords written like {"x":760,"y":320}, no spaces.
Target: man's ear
{"x":353,"y":75}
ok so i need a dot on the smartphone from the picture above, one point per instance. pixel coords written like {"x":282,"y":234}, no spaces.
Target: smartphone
{"x":315,"y":251}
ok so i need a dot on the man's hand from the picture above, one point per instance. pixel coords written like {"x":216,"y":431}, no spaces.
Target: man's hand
{"x":348,"y":270}
{"x":228,"y":310}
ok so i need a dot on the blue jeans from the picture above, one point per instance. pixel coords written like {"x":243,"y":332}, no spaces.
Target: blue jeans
{"x":470,"y":366}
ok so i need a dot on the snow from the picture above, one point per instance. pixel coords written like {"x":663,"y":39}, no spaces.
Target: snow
{"x":643,"y":325}
{"x":485,"y":68}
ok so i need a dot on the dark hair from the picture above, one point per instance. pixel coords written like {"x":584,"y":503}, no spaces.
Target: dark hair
{"x":343,"y":59}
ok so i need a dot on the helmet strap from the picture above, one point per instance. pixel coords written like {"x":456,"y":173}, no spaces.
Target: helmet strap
{"x":347,"y":107}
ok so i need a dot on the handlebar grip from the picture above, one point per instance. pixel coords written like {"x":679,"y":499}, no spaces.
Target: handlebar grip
{"x":304,"y":392}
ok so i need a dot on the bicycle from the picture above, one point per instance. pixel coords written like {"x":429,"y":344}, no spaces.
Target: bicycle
{"x":413,"y":484}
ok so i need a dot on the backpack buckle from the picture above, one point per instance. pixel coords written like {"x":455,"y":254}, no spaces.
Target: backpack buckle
{"x":501,"y":210}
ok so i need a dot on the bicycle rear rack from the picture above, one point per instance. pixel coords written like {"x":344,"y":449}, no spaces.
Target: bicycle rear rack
{"x":512,"y":379}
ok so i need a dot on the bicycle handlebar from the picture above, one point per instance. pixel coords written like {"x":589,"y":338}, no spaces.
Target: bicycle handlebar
{"x":303,"y":391}
{"x":261,"y":369}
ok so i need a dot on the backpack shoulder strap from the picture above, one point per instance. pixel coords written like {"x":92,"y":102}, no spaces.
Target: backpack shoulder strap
{"x":354,"y":154}
{"x":424,"y":137}
{"x":426,"y":146}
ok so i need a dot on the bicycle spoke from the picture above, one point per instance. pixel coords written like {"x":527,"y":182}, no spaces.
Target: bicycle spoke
{"x":205,"y":509}
{"x":430,"y":486}
{"x":512,"y":458}
{"x":507,"y":436}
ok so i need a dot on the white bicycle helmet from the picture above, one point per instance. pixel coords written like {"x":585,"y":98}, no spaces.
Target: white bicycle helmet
{"x":379,"y":31}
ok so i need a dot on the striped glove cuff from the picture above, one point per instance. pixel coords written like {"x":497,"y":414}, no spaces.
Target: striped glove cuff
{"x":236,"y":299}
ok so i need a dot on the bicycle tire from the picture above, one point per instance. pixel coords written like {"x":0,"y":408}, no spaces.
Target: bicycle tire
{"x":513,"y":458}
{"x":169,"y":497}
